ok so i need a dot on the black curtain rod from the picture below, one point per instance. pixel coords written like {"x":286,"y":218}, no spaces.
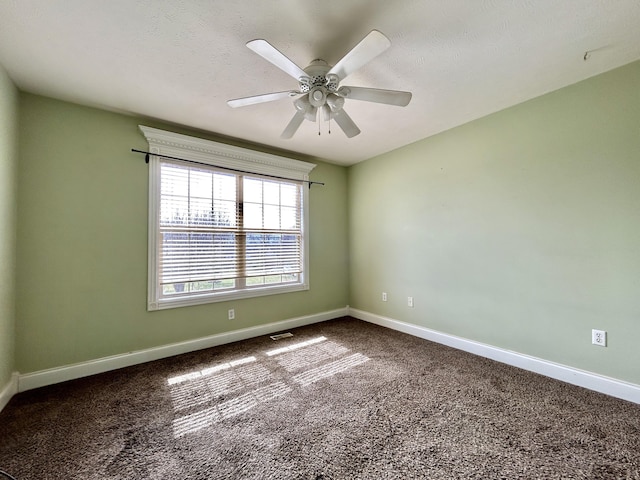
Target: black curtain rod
{"x":146,"y":159}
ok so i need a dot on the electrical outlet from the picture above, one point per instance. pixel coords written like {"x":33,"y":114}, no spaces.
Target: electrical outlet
{"x":232,"y":314}
{"x":599,"y":337}
{"x":410,"y":301}
{"x":384,"y":296}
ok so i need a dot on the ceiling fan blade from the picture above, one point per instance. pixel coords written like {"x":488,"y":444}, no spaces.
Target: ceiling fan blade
{"x":293,"y":126}
{"x":377,"y":95}
{"x":275,"y":56}
{"x":369,"y":47}
{"x":267,"y":97}
{"x":347,"y":125}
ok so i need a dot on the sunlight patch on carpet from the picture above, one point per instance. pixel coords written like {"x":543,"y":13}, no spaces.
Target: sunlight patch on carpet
{"x":311,"y":355}
{"x":203,"y":386}
{"x":208,"y":371}
{"x":330,"y":369}
{"x":295,"y":346}
{"x":201,"y":389}
{"x":209,"y":416}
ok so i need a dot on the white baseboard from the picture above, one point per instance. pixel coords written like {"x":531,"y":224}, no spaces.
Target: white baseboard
{"x":592,"y":381}
{"x":69,"y":372}
{"x":582,"y":378}
{"x":9,"y":390}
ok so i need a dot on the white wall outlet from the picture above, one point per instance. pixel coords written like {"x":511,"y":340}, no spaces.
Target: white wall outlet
{"x":384,"y":296}
{"x":232,"y":314}
{"x":410,"y":301}
{"x":599,"y":337}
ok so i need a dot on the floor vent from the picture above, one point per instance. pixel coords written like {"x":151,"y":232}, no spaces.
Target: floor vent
{"x":281,"y":335}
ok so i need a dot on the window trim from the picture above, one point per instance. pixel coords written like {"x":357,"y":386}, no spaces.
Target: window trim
{"x":225,"y":156}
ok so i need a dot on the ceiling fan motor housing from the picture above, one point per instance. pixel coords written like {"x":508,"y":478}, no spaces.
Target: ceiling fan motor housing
{"x":318,"y":85}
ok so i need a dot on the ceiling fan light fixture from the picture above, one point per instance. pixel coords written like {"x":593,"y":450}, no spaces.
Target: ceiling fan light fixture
{"x":317,"y":96}
{"x":343,"y":91}
{"x":302,"y":104}
{"x":326,"y":112}
{"x":311,"y":114}
{"x":335,"y":102}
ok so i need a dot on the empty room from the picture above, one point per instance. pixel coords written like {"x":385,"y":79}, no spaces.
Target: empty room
{"x":319,"y":240}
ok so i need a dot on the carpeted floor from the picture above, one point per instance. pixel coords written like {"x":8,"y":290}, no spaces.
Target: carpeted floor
{"x":343,"y":399}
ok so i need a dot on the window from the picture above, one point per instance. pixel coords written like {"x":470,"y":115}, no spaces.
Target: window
{"x":217,"y":234}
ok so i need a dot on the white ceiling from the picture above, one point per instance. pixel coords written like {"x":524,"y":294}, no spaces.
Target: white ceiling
{"x":181,"y":60}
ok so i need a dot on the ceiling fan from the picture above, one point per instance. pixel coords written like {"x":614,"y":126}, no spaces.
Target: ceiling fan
{"x":320,"y":93}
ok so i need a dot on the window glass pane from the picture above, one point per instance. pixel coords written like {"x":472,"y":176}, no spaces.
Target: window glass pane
{"x":174,"y":205}
{"x":224,"y":214}
{"x":201,"y":185}
{"x":170,"y":289}
{"x":224,"y":186}
{"x":271,"y":216}
{"x":252,"y":215}
{"x":174,"y":210}
{"x":224,"y":284}
{"x":202,"y":286}
{"x":289,"y":194}
{"x":252,"y":190}
{"x":271,"y":193}
{"x":175,"y":180}
{"x":288,"y":218}
{"x":196,"y":287}
{"x":270,"y":279}
{"x":200,"y":210}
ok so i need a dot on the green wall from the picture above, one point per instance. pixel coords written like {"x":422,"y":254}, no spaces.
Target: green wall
{"x":82,"y":243}
{"x":520,"y":230}
{"x":8,"y":206}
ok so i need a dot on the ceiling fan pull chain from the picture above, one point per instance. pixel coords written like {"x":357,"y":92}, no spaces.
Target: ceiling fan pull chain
{"x":318,"y":113}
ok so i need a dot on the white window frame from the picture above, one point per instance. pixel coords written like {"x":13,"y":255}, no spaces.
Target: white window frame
{"x":227,"y":156}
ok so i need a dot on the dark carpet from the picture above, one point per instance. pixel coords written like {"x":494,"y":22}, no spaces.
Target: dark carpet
{"x":343,"y":399}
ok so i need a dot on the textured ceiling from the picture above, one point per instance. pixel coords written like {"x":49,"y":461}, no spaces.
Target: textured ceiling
{"x":179,"y":61}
